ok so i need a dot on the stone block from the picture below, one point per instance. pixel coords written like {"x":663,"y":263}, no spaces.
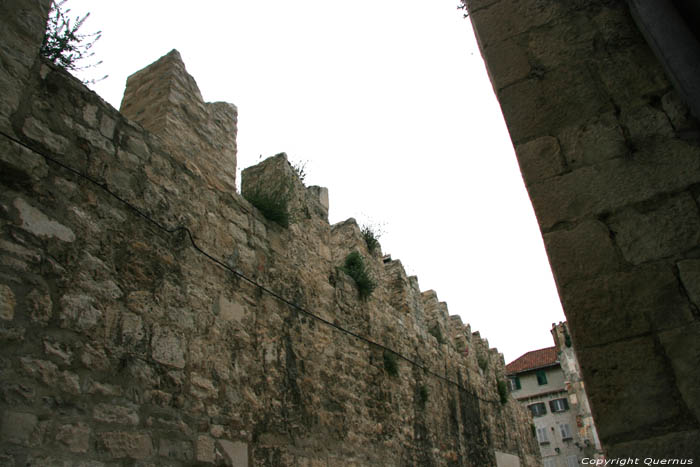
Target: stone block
{"x":631,"y":377}
{"x":666,"y":228}
{"x":682,"y":347}
{"x":76,"y":437}
{"x":7,"y":303}
{"x":508,"y":18}
{"x":595,"y":141}
{"x":168,"y":347}
{"x":38,"y":131}
{"x":506,"y":62}
{"x":78,"y":311}
{"x":562,"y":43}
{"x":122,"y":444}
{"x":582,"y":252}
{"x":624,"y":304}
{"x":690,"y":277}
{"x":37,"y":223}
{"x":175,"y":449}
{"x":646,"y":122}
{"x":235,"y":453}
{"x":132,"y":329}
{"x":544,"y":105}
{"x":677,"y":112}
{"x":204,"y":449}
{"x":117,"y":414}
{"x":681,"y":445}
{"x":539,"y":159}
{"x":630,"y":73}
{"x":229,"y":311}
{"x":19,"y":428}
{"x":657,"y":168}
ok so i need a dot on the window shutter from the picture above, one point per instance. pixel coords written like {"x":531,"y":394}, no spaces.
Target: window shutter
{"x":541,"y":377}
{"x":565,"y":431}
{"x":517,"y":383}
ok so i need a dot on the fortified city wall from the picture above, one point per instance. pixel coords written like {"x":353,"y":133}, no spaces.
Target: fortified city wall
{"x":610,"y":155}
{"x":150,"y":315}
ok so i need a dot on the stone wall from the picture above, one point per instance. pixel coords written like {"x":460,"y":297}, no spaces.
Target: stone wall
{"x":611,"y":160}
{"x":150,"y":315}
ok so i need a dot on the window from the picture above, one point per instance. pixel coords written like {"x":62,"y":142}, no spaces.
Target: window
{"x":514,"y":383}
{"x":542,"y":435}
{"x":559,"y":405}
{"x":541,"y":377}
{"x":550,"y":462}
{"x":537,"y":409}
{"x":565,"y":431}
{"x":571,"y":461}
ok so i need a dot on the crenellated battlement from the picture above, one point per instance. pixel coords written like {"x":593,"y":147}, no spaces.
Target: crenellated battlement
{"x":152,"y":315}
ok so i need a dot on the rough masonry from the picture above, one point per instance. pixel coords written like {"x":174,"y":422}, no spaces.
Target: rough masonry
{"x":610,"y":155}
{"x":151,"y":316}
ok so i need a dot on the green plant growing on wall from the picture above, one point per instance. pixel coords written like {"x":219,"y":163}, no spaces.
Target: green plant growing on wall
{"x":391,"y":365}
{"x":371,"y":235}
{"x":274,"y":205}
{"x":423,"y":395}
{"x":502,"y":391}
{"x":64,"y":45}
{"x":355,"y":267}
{"x":299,"y":169}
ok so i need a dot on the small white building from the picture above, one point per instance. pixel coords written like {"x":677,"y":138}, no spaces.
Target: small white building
{"x":556,"y":398}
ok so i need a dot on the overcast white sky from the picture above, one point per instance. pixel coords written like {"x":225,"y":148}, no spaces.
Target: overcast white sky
{"x":390,"y":103}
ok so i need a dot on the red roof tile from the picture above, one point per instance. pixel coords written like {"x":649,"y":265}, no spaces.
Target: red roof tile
{"x":534,"y":359}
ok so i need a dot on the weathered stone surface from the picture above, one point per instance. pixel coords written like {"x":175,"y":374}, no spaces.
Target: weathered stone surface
{"x":504,"y":19}
{"x":567,"y":42}
{"x":667,"y":228}
{"x":116,"y":414}
{"x":510,"y":63}
{"x":682,"y":346}
{"x":544,"y":105}
{"x":75,"y":437}
{"x":39,"y":224}
{"x":583,"y":252}
{"x":235,"y":452}
{"x":21,"y":35}
{"x":204,"y":450}
{"x":175,"y":449}
{"x":540,"y":159}
{"x":19,"y":428}
{"x":656,"y":447}
{"x":650,"y":405}
{"x":40,"y":306}
{"x":637,"y":306}
{"x":122,"y":444}
{"x":610,"y":185}
{"x":168,"y":347}
{"x":596,"y":141}
{"x":7,"y":303}
{"x":690,"y":277}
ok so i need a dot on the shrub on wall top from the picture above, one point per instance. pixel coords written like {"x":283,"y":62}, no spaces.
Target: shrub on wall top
{"x":355,"y":267}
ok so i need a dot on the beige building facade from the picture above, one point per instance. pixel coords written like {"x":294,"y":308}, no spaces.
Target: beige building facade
{"x":548,"y":382}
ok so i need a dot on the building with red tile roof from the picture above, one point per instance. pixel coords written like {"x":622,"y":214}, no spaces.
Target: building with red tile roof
{"x":548,"y":382}
{"x":533,"y":360}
